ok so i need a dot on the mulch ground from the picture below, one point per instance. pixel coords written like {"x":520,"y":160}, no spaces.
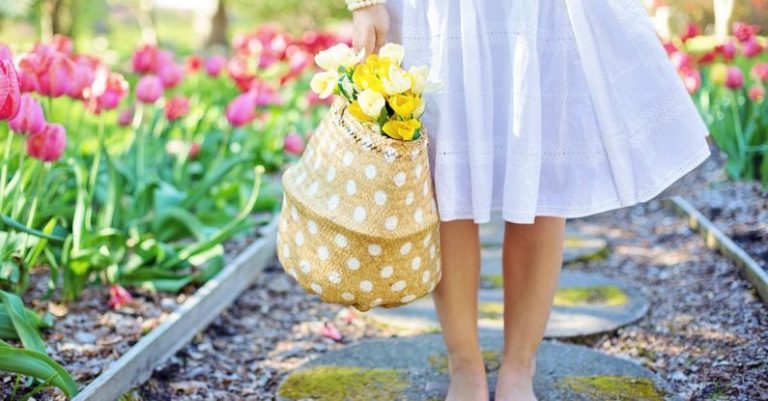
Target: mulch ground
{"x":706,"y":332}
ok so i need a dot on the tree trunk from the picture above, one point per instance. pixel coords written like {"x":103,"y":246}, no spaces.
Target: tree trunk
{"x":219,"y":26}
{"x":723,"y":13}
{"x":56,"y":13}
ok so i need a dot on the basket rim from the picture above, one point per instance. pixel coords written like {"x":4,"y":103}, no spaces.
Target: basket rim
{"x":353,"y":127}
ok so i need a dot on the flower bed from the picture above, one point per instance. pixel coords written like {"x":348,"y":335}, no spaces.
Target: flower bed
{"x":120,"y":189}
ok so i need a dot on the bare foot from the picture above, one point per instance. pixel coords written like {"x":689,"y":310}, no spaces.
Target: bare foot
{"x":515,"y":384}
{"x":468,"y":385}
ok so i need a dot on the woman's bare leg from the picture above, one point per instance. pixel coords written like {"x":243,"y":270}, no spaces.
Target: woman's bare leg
{"x":456,"y":302}
{"x":532,"y":259}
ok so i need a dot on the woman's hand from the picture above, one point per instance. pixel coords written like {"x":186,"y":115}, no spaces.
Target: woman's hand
{"x":371,"y":26}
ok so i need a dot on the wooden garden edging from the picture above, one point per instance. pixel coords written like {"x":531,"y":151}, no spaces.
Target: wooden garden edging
{"x":136,"y":366}
{"x":716,"y":239}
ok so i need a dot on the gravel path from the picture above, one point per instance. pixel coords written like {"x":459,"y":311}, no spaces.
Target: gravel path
{"x":706,"y":332}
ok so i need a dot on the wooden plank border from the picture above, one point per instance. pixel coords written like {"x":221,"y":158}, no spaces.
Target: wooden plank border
{"x":716,"y":239}
{"x":136,"y":366}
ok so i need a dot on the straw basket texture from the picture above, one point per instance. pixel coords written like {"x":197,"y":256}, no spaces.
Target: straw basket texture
{"x":359,"y":224}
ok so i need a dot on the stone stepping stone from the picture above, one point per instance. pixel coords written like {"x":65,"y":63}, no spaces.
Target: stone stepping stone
{"x":415,"y":369}
{"x":586,"y":304}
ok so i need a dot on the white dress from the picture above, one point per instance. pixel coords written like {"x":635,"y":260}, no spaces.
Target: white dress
{"x":548,"y":107}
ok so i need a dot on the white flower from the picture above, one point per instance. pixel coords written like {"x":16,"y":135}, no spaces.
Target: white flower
{"x":393,"y":52}
{"x":419,"y":109}
{"x":337,"y":56}
{"x":371,"y":102}
{"x":419,"y":77}
{"x":397,"y":82}
{"x":324,"y":83}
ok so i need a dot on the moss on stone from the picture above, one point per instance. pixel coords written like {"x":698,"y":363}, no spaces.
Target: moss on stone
{"x":606,"y":295}
{"x":614,"y":388}
{"x":491,"y":310}
{"x":439,"y":362}
{"x":341,"y":383}
{"x":598,"y":249}
{"x":492,"y":281}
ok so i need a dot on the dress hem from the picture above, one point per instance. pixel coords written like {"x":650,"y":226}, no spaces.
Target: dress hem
{"x":521,"y":217}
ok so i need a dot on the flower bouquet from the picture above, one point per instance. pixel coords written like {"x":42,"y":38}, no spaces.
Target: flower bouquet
{"x":359,"y":224}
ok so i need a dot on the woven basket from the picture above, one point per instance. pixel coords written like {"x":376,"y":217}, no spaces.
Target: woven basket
{"x":359,"y":224}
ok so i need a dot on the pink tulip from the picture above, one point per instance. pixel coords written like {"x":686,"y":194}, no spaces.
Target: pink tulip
{"x":692,"y":80}
{"x":30,"y":119}
{"x":193,"y":64}
{"x":63,"y":44}
{"x":760,"y":71}
{"x":126,"y":117}
{"x":744,"y":32}
{"x":681,"y":60}
{"x":5,"y":53}
{"x":727,"y":50}
{"x":331,"y":332}
{"x":106,"y":92}
{"x":734,"y":78}
{"x":57,"y":77}
{"x":176,"y":147}
{"x":176,"y":107}
{"x":752,"y":48}
{"x":48,"y":144}
{"x":242,"y":70}
{"x":171,"y":74}
{"x":83,"y":75}
{"x":757,"y":93}
{"x":242,"y":109}
{"x":144,"y":59}
{"x":691,"y":30}
{"x":10,"y":94}
{"x":149,"y":89}
{"x":293,"y":144}
{"x":214,"y":65}
{"x":119,"y":296}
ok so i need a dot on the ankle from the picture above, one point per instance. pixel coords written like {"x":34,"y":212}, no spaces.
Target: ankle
{"x":519,"y":367}
{"x":466,"y":365}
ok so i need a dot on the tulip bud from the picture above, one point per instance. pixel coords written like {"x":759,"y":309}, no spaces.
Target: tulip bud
{"x":10,"y":94}
{"x":242,"y":110}
{"x":176,"y":107}
{"x":293,"y":144}
{"x":193,"y":64}
{"x":126,"y":117}
{"x":214,"y":65}
{"x":119,"y":296}
{"x":48,"y":144}
{"x":170,"y":74}
{"x":735,"y":78}
{"x":757,"y":94}
{"x":752,"y":48}
{"x":760,"y":71}
{"x":692,"y":80}
{"x":56,"y":80}
{"x":149,"y":89}
{"x":30,"y":119}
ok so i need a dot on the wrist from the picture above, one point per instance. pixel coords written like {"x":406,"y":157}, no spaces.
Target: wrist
{"x":354,"y":5}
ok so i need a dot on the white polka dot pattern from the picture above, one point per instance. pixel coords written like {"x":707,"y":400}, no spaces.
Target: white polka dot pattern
{"x":359,"y":224}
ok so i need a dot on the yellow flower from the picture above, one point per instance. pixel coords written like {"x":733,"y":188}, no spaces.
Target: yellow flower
{"x":358,"y":113}
{"x":324,"y":83}
{"x":365,"y":78}
{"x":396,"y":81}
{"x":404,"y":105}
{"x":393,"y":52}
{"x":404,"y":130}
{"x":337,"y":56}
{"x":419,"y":76}
{"x":371,"y":103}
{"x":718,"y":74}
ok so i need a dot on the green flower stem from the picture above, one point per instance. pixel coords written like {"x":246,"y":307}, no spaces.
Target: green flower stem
{"x":738,"y":129}
{"x":94,"y":174}
{"x":4,"y":168}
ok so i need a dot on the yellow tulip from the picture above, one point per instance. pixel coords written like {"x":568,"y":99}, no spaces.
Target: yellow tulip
{"x":358,"y":113}
{"x":364,"y":78}
{"x":404,"y":130}
{"x":404,"y":105}
{"x":718,"y":73}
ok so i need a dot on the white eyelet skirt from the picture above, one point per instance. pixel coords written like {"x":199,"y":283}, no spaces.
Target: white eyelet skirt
{"x":549,"y":107}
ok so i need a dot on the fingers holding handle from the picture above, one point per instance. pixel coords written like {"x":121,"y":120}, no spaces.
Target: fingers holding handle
{"x":371,"y":27}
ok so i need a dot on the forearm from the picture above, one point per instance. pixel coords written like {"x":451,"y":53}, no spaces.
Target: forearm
{"x":353,"y":5}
